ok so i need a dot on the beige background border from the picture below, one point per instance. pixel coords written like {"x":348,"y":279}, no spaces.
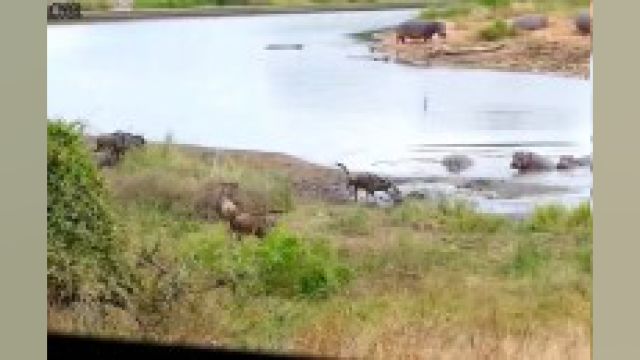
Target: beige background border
{"x":23,"y":190}
{"x":616,"y":241}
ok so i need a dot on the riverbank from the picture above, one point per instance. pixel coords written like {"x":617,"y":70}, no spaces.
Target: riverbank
{"x":334,"y":279}
{"x":558,"y":49}
{"x":226,"y":11}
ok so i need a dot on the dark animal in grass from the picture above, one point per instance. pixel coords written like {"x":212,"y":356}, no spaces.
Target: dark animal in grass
{"x":104,"y":158}
{"x":529,"y":161}
{"x":457,"y":163}
{"x":370,"y":183}
{"x":417,"y":29}
{"x":244,"y":223}
{"x":583,"y":23}
{"x":567,"y":162}
{"x":118,"y":143}
{"x":531,"y":22}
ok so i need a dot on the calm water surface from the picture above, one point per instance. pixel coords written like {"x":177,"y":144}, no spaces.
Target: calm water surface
{"x":212,"y":82}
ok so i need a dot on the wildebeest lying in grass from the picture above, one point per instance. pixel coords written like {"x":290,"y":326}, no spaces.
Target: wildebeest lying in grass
{"x":370,"y":183}
{"x":418,"y":29}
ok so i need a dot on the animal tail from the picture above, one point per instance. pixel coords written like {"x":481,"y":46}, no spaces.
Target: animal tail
{"x":343,"y":167}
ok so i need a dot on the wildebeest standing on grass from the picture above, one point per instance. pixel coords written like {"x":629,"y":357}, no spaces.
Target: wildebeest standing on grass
{"x":418,"y":29}
{"x":117,"y":143}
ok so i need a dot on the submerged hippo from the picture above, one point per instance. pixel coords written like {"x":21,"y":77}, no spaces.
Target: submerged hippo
{"x":528,"y":161}
{"x":583,"y":23}
{"x":531,"y":22}
{"x":456,"y":163}
{"x":420,"y":29}
{"x":568,"y":162}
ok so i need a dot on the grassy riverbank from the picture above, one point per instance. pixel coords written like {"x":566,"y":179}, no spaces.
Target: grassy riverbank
{"x":335,"y":278}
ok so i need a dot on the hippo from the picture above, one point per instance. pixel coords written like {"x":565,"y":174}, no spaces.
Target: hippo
{"x":531,"y":22}
{"x":420,"y":29}
{"x":457,"y":163}
{"x":567,"y":162}
{"x":583,"y":23}
{"x":528,"y":161}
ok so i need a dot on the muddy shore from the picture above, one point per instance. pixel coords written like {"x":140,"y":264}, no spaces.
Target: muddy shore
{"x":558,"y":49}
{"x":312,"y":181}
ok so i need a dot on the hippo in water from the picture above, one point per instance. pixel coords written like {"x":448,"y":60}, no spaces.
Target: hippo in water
{"x":528,"y":161}
{"x":420,"y":29}
{"x":456,"y":163}
{"x":568,"y":162}
{"x":583,"y":23}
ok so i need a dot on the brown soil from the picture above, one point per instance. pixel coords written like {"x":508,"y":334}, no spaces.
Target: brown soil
{"x":557,"y":49}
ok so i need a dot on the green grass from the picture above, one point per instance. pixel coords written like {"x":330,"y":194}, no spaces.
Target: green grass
{"x":497,"y":30}
{"x":335,"y":278}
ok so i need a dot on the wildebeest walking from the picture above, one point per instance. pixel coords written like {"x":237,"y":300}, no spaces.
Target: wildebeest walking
{"x":418,"y":29}
{"x":370,"y":183}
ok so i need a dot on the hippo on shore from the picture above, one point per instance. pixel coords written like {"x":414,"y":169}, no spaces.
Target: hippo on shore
{"x":420,"y":29}
{"x":528,"y":161}
{"x":583,"y":23}
{"x":531,"y":22}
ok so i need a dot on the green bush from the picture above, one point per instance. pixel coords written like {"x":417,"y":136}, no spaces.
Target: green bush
{"x":497,"y":30}
{"x":280,"y":265}
{"x":81,"y":241}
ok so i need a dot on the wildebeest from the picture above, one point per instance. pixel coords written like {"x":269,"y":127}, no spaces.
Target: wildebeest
{"x":117,"y":143}
{"x":528,"y":161}
{"x":420,"y":30}
{"x":370,"y":183}
{"x":531,"y":22}
{"x":583,"y":23}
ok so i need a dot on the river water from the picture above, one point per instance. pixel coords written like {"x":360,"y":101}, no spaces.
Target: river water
{"x":210,"y":81}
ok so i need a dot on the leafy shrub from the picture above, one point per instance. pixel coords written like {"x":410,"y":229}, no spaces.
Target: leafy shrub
{"x":281,"y":265}
{"x":497,"y":30}
{"x":81,"y":234}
